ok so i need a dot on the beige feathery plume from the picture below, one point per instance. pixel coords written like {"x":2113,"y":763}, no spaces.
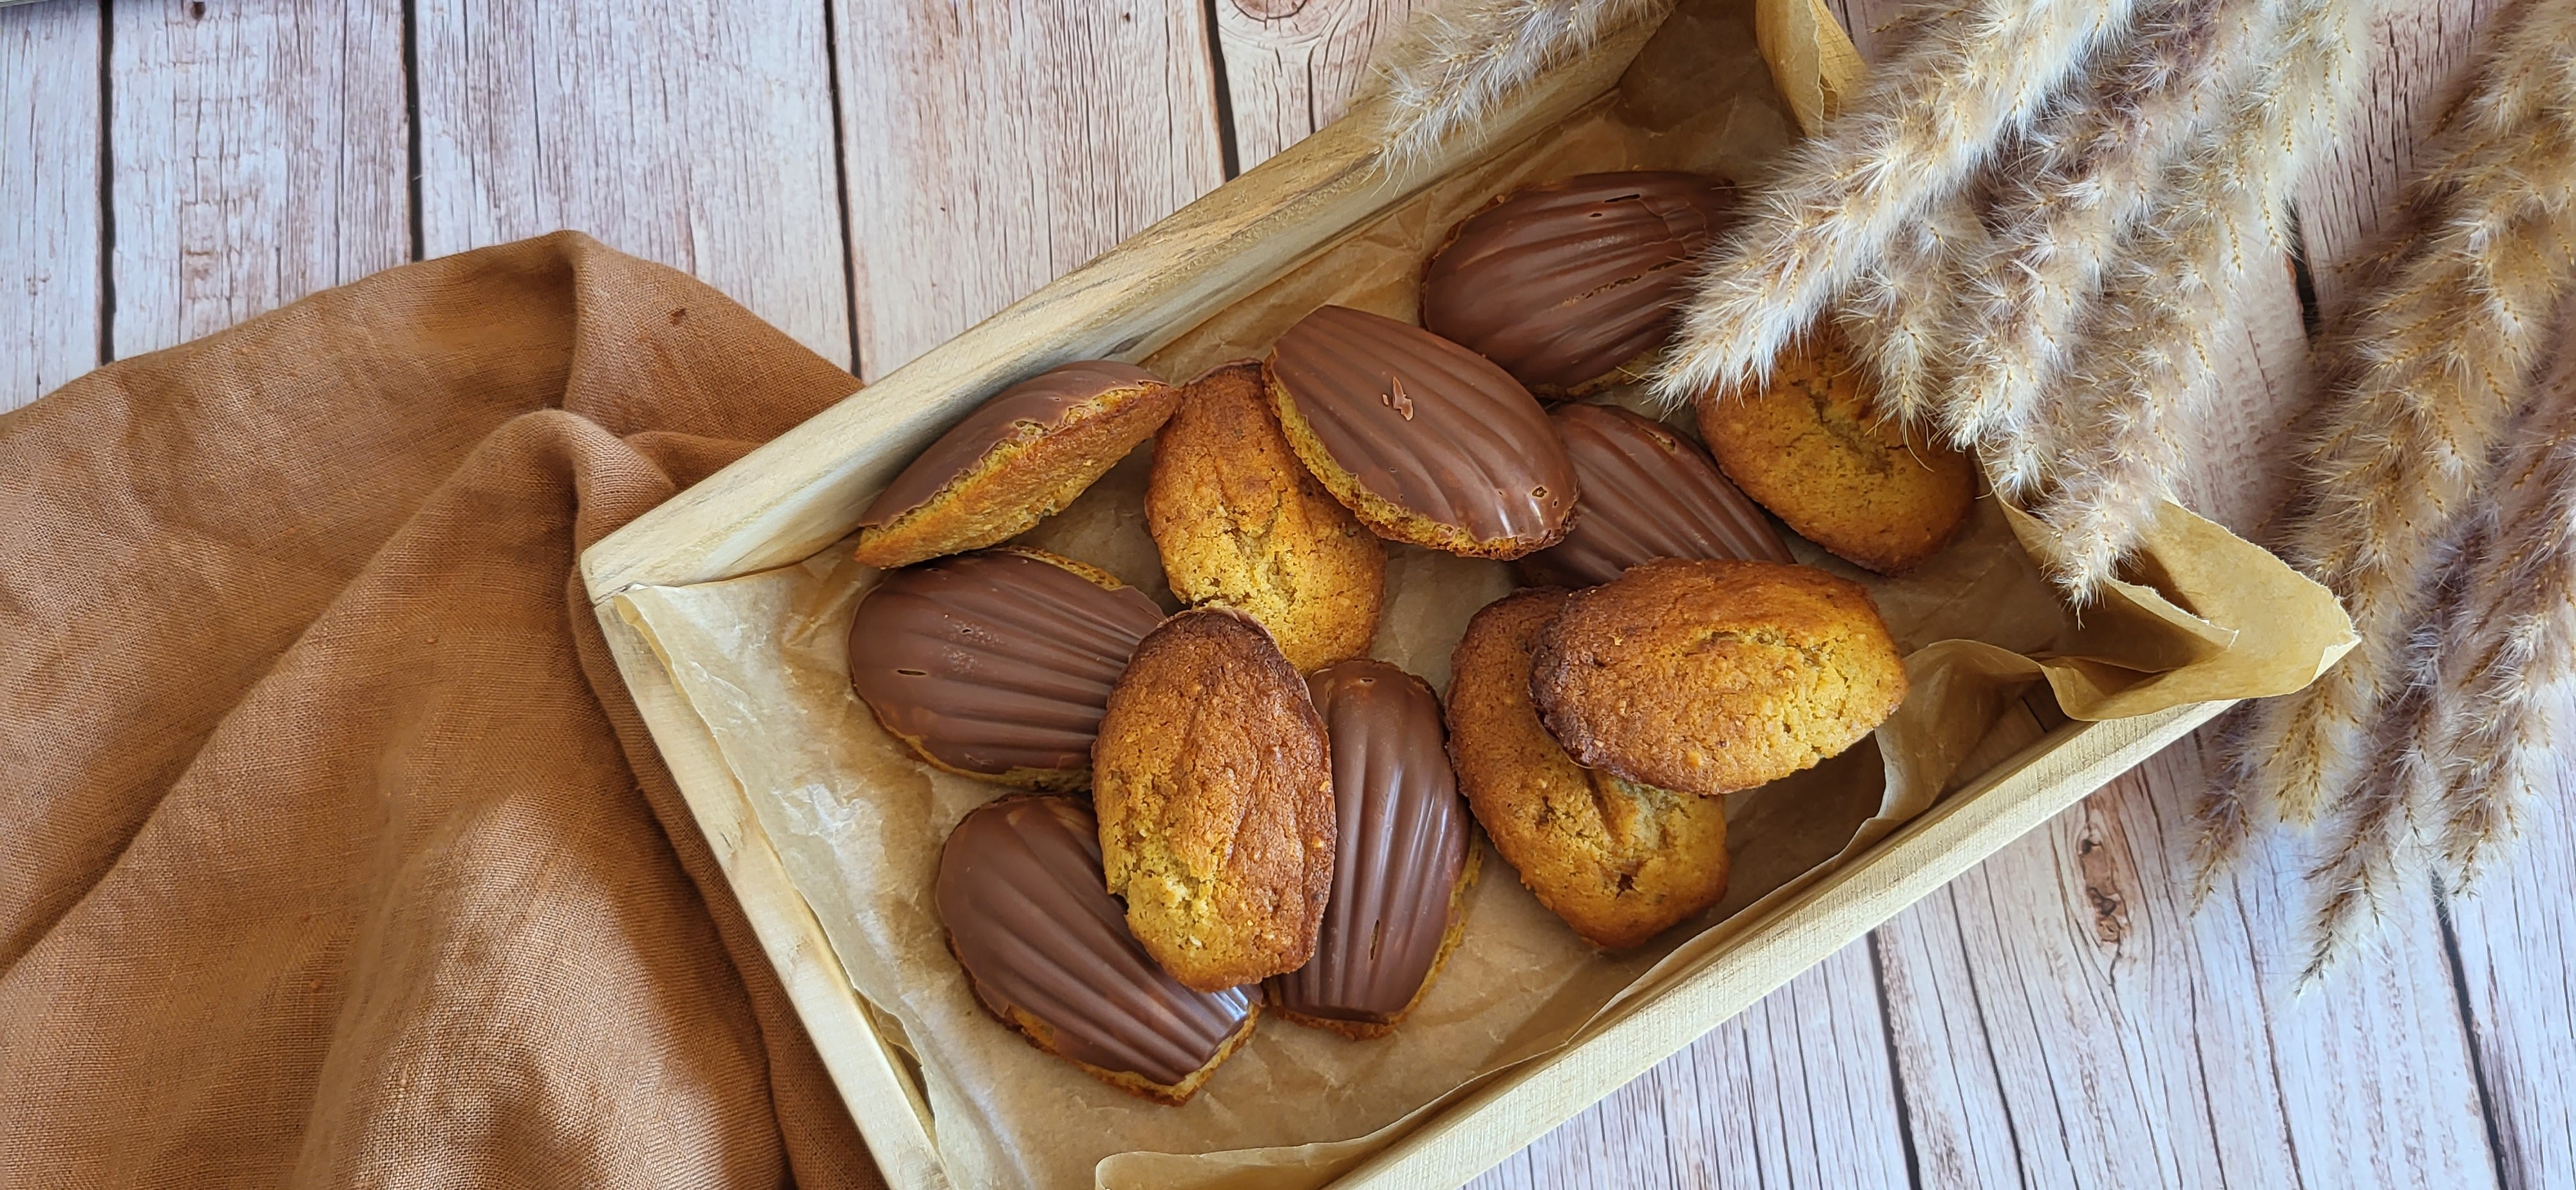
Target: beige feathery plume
{"x":2437,"y":361}
{"x":2373,"y":829}
{"x":2086,"y":173}
{"x":2147,"y":363}
{"x":1898,"y":308}
{"x":2466,"y":738}
{"x":2514,"y":646}
{"x":1920,"y":129}
{"x":1458,"y":61}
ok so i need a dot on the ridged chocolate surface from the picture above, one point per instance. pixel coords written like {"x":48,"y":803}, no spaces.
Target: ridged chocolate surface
{"x":1647,"y":493}
{"x":1027,"y":409}
{"x":995,"y":660}
{"x":1562,"y":282}
{"x":1429,"y":425}
{"x":1019,"y":889}
{"x":1402,"y":842}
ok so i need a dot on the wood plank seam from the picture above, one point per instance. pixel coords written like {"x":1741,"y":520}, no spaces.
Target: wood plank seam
{"x":1229,"y":155}
{"x":106,"y":184}
{"x":840,"y":177}
{"x":2471,"y":1033}
{"x":1895,"y":1069}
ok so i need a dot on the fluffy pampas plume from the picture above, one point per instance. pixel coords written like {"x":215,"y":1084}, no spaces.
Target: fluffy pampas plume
{"x":1917,"y":134}
{"x":2435,"y":363}
{"x":2511,"y":647}
{"x":2084,"y":177}
{"x":1458,"y":61}
{"x":2147,"y":364}
{"x":2464,"y":743}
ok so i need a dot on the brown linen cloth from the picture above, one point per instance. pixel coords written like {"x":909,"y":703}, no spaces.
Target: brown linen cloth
{"x":332,"y":851}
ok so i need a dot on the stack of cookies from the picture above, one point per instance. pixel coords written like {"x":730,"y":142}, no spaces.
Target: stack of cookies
{"x":1232,"y":807}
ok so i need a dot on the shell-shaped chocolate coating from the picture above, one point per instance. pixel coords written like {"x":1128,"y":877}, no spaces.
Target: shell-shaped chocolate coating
{"x":1020,"y":893}
{"x":1401,"y":852}
{"x":1647,"y":493}
{"x":998,"y":663}
{"x":1424,"y":440}
{"x":1561,"y":283}
{"x":1031,"y":407}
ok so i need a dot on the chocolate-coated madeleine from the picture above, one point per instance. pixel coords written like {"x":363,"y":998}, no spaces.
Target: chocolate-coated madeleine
{"x":1565,"y":282}
{"x":1046,"y":949}
{"x":1215,"y":792}
{"x":1712,"y":676}
{"x":1403,"y":863}
{"x":1425,"y":441}
{"x":1016,"y":460}
{"x":1619,"y":861}
{"x":997,"y":665}
{"x":1647,"y":493}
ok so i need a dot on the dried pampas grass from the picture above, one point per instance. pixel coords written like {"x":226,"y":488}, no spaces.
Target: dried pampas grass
{"x":2033,"y":222}
{"x":2510,"y":649}
{"x":2464,"y":743}
{"x":2147,"y":363}
{"x":2085,"y":175}
{"x":1917,"y":134}
{"x":1457,"y":62}
{"x":1894,"y":318}
{"x":2435,"y":363}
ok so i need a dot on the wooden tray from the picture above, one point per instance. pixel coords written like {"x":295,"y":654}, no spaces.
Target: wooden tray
{"x":805,"y":490}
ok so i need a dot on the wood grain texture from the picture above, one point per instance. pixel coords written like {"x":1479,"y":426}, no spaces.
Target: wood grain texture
{"x":1291,"y":65}
{"x":2051,"y":1003}
{"x":697,"y":133}
{"x":49,"y":209}
{"x":991,"y":147}
{"x":1797,"y":1090}
{"x":2517,"y":943}
{"x":259,"y":156}
{"x":2420,"y":59}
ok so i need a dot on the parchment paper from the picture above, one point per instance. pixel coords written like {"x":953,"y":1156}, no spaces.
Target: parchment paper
{"x":858,"y":822}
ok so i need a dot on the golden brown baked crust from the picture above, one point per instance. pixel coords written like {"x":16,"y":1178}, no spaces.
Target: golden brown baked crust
{"x":1371,"y":1030}
{"x":1023,"y":480}
{"x":1240,"y":523}
{"x":1812,"y":450}
{"x":1712,"y":676}
{"x":1215,"y":795}
{"x":1620,"y":862}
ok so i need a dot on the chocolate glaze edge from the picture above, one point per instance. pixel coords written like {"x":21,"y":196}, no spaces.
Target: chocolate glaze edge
{"x":1565,"y":283}
{"x":1021,"y":872}
{"x":981,"y":663}
{"x":1482,"y":474}
{"x":1405,"y":850}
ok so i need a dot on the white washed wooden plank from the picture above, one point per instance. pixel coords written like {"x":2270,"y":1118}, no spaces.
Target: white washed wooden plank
{"x":1291,"y":65}
{"x":992,"y":146}
{"x":2094,"y":1001}
{"x":2518,"y":961}
{"x":696,"y":133}
{"x":259,"y":156}
{"x":1795,"y":1091}
{"x":49,"y":224}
